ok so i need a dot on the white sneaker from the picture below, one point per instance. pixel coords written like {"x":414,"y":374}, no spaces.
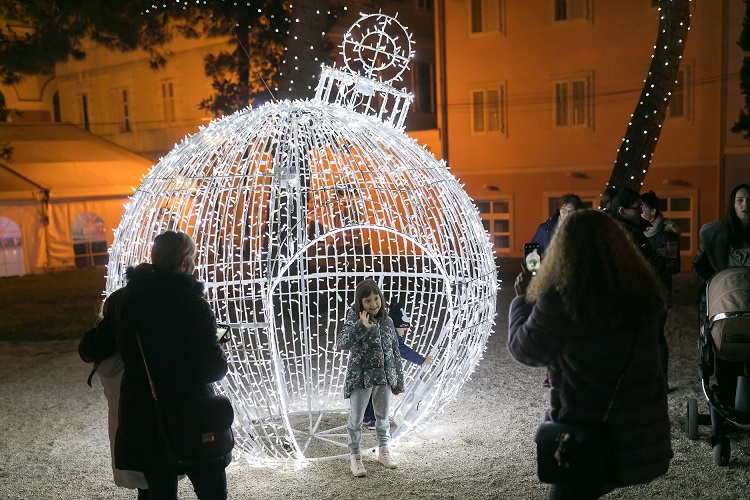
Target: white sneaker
{"x":357,"y":468}
{"x":384,"y":457}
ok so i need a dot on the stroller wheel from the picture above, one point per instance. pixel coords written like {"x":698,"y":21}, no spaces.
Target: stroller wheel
{"x":722,"y":451}
{"x":692,"y":419}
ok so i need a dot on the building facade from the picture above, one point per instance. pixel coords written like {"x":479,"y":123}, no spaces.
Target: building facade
{"x":119,"y":97}
{"x":526,"y":101}
{"x":538,"y":96}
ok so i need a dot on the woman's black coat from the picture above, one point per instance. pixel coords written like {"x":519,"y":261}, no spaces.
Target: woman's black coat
{"x":178,"y":332}
{"x":584,"y":363}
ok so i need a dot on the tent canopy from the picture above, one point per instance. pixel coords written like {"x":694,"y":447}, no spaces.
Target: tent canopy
{"x":67,"y":162}
{"x":64,"y":192}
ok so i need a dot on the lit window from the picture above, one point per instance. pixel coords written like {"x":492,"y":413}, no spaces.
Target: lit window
{"x":568,"y":10}
{"x":89,"y":240}
{"x":679,"y":209}
{"x":488,"y":110}
{"x":573,"y":102}
{"x":486,"y":16}
{"x":496,"y":220}
{"x":11,"y":249}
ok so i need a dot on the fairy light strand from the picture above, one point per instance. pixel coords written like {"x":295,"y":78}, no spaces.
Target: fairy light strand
{"x":291,"y":204}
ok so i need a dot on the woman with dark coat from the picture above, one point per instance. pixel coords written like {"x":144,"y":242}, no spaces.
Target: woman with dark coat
{"x":166,"y":309}
{"x":723,"y":244}
{"x":589,"y":315}
{"x":726,"y":242}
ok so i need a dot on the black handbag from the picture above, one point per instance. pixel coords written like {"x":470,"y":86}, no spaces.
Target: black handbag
{"x":573,"y":454}
{"x":577,"y":454}
{"x":195,"y":430}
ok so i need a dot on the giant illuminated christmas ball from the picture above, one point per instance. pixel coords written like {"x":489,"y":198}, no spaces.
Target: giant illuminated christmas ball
{"x":291,"y":205}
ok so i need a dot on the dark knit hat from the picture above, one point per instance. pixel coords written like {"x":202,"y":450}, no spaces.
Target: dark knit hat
{"x":397,"y":314}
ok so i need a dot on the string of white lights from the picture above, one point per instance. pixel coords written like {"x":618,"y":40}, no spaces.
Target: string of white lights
{"x":291,"y":204}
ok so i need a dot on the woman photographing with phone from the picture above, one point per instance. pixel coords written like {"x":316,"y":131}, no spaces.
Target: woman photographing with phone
{"x":374,"y":369}
{"x":590,"y":316}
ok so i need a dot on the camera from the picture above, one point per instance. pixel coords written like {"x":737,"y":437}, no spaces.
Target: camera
{"x":532,"y":259}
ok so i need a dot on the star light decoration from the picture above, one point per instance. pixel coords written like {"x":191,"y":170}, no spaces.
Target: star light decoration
{"x":291,"y":205}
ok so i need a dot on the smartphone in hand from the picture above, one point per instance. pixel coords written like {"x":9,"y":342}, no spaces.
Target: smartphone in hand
{"x":222,"y":333}
{"x":532,"y":259}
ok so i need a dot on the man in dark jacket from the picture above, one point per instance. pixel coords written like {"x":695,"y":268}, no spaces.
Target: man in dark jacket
{"x":627,"y":208}
{"x":569,"y":203}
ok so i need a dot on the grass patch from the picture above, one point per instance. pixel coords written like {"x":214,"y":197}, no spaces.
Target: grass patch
{"x":54,"y":306}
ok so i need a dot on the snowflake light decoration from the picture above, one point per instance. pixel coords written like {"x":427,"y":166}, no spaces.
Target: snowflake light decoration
{"x":291,"y":205}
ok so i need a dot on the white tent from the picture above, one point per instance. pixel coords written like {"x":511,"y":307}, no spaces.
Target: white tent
{"x":61,"y":196}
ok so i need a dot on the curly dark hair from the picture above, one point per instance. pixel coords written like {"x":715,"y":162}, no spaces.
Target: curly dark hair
{"x":601,"y":276}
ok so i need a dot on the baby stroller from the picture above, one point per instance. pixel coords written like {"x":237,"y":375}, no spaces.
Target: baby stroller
{"x":724,"y":360}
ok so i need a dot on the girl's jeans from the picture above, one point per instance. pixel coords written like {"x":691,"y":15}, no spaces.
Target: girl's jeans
{"x":381,"y":403}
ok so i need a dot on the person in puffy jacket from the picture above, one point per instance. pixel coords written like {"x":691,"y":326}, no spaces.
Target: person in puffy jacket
{"x":163,"y":305}
{"x":590,"y":315}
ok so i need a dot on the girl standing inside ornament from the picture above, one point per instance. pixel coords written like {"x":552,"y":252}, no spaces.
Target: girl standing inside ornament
{"x":374,"y":369}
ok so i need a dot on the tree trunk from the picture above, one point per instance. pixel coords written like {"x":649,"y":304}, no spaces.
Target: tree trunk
{"x":638,"y":145}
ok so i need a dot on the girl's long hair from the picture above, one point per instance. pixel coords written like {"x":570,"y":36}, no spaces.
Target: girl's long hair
{"x":739,"y":235}
{"x":365,"y":289}
{"x":602,"y":278}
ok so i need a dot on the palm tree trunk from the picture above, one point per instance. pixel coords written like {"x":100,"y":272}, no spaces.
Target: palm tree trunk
{"x":638,"y":145}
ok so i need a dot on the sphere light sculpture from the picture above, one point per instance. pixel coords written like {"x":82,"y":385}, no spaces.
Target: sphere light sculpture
{"x":291,"y":205}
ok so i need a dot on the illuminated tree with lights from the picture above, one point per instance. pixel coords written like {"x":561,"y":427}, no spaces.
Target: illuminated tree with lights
{"x":307,"y":47}
{"x":291,"y":204}
{"x":635,"y":154}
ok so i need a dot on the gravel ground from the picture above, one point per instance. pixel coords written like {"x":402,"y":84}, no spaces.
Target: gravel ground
{"x":53,"y":439}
